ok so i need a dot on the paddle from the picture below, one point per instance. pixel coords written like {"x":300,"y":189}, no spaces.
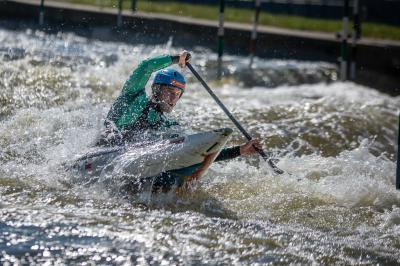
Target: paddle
{"x":233,"y":119}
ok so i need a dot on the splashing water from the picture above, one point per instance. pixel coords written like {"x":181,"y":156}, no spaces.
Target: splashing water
{"x":337,"y":140}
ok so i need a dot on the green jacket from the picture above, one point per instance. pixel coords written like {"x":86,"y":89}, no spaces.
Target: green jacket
{"x":132,"y":111}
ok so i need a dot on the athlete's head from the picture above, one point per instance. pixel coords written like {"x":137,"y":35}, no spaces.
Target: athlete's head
{"x":168,"y":87}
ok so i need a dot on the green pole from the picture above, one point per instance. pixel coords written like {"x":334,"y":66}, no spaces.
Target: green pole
{"x":220,"y":37}
{"x":41,"y":13}
{"x":344,"y":48}
{"x":355,"y":36}
{"x":398,"y":158}
{"x":119,"y":18}
{"x":133,"y":5}
{"x":257,"y":5}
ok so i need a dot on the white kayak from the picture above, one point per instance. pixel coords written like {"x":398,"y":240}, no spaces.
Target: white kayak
{"x":186,"y":158}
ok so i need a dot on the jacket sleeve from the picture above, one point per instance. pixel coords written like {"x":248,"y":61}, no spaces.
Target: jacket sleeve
{"x":228,"y":153}
{"x":141,"y":75}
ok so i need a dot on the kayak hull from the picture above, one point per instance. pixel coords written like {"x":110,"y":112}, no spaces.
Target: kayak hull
{"x":165,"y":163}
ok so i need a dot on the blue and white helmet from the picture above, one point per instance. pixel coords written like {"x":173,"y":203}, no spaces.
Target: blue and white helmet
{"x":171,"y":77}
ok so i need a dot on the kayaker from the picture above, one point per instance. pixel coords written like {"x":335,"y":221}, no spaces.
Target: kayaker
{"x":134,"y":112}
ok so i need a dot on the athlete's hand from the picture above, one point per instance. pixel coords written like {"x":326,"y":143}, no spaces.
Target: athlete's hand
{"x":184,"y":57}
{"x":248,"y":148}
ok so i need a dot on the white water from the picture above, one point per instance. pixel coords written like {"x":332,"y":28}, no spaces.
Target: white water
{"x":339,"y":205}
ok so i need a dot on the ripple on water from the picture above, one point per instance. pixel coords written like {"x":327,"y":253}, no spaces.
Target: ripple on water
{"x":337,"y":141}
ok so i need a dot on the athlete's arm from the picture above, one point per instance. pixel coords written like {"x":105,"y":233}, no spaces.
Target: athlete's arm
{"x":134,"y":88}
{"x":236,"y":151}
{"x":141,"y":75}
{"x":228,"y":154}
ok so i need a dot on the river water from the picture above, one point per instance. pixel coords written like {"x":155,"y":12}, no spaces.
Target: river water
{"x":337,"y":140}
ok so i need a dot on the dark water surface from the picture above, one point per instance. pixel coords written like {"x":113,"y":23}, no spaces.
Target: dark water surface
{"x":337,"y":139}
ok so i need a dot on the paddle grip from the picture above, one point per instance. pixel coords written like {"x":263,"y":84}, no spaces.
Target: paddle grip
{"x":188,"y":56}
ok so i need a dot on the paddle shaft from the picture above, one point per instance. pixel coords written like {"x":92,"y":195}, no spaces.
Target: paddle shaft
{"x":233,"y":119}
